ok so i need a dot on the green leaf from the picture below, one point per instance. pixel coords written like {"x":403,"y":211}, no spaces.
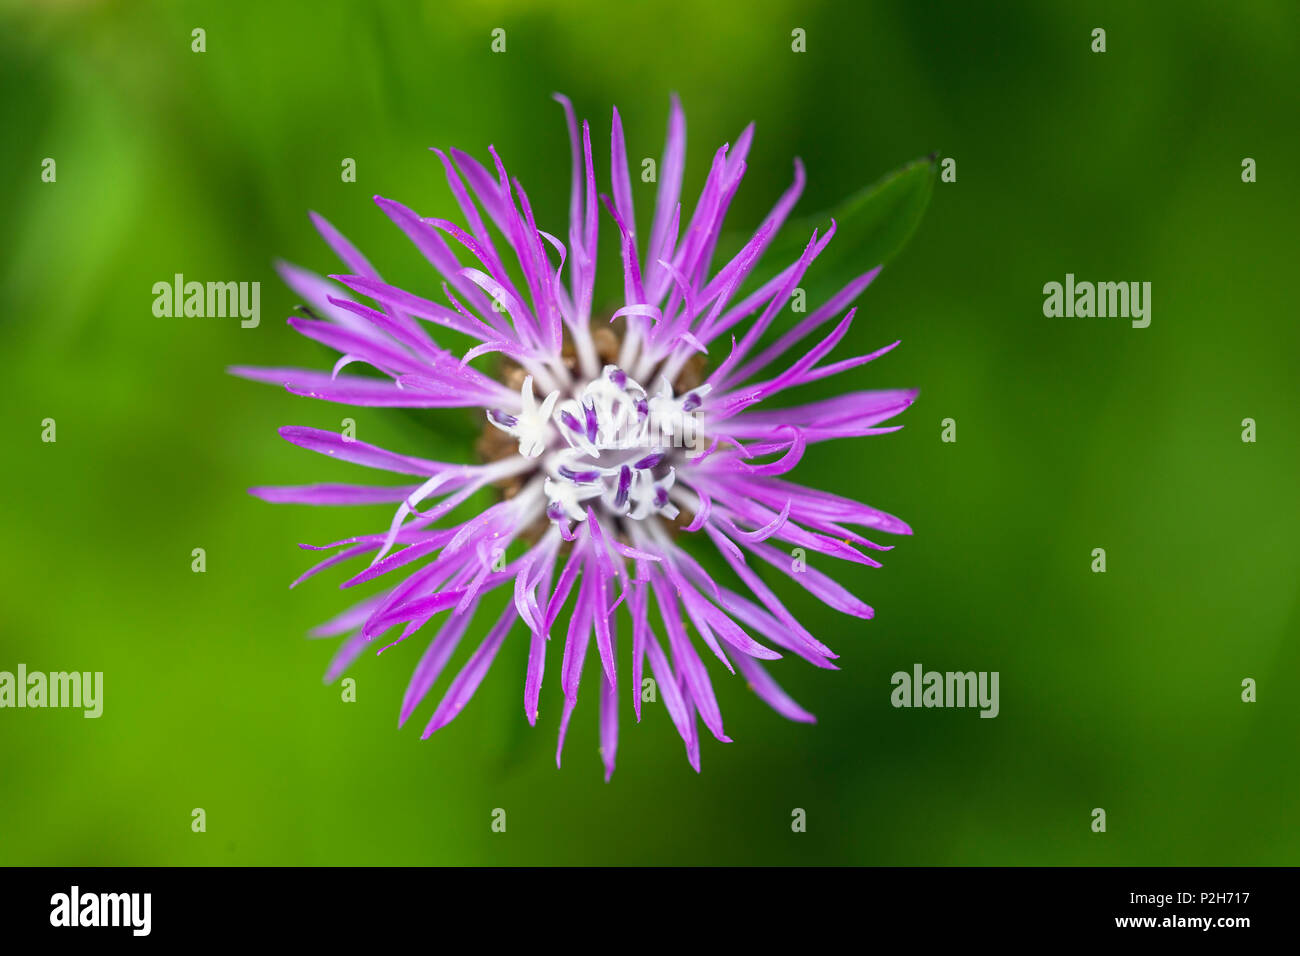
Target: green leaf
{"x":872,"y":226}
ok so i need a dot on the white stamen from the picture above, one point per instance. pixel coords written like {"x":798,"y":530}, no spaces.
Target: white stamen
{"x":532,"y":426}
{"x":631,"y":429}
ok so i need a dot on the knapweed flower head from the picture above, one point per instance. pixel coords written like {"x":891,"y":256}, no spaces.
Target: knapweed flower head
{"x":615,"y":440}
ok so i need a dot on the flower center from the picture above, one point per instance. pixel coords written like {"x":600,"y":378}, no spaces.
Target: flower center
{"x":609,"y":443}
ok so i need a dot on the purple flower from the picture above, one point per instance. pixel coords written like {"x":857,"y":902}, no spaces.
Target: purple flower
{"x":614,"y":436}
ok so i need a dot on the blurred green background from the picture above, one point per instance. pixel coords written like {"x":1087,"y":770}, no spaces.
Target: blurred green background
{"x":1118,"y":690}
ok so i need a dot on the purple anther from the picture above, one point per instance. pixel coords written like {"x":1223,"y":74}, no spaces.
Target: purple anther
{"x":581,"y":477}
{"x":502,"y":419}
{"x":624,"y":483}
